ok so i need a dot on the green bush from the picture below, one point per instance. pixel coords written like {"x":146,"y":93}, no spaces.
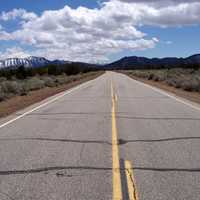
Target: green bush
{"x":2,"y":94}
{"x":12,"y":87}
{"x":191,"y":85}
{"x":187,"y":79}
{"x":49,"y":81}
{"x":35,"y":83}
{"x":63,"y":79}
{"x":2,"y":79}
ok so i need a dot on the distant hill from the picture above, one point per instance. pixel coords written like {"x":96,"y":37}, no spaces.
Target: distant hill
{"x":135,"y":62}
{"x":26,"y":62}
{"x":31,"y":61}
{"x":132,"y":62}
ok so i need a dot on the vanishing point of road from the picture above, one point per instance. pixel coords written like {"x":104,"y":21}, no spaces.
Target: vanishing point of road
{"x":110,"y":138}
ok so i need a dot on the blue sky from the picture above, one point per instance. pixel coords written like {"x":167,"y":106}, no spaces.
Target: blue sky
{"x":99,"y":31}
{"x":39,"y":6}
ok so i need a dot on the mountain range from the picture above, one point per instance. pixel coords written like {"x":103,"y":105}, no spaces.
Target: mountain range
{"x":132,"y":62}
{"x":135,"y":62}
{"x":30,"y":61}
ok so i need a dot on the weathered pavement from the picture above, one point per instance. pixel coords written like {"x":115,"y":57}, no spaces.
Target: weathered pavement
{"x":102,"y":141}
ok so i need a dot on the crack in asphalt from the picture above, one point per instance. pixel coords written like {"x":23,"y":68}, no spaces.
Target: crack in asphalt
{"x":133,"y":184}
{"x":56,"y":168}
{"x":57,"y":140}
{"x":123,"y":141}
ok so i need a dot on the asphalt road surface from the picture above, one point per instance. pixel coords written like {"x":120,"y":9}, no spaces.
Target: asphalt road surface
{"x":110,"y":138}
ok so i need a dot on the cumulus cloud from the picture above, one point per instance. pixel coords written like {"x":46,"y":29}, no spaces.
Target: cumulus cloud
{"x":93,"y":34}
{"x":4,"y":35}
{"x":79,"y":34}
{"x":17,"y":13}
{"x":147,"y":1}
{"x":14,"y":52}
{"x":171,"y":15}
{"x":160,"y":2}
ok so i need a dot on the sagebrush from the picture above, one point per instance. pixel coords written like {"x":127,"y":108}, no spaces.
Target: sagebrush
{"x":186,"y":79}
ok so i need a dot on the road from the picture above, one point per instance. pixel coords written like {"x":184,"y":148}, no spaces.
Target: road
{"x":110,"y":138}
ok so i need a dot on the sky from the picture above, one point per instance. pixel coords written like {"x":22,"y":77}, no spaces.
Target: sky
{"x":99,"y":31}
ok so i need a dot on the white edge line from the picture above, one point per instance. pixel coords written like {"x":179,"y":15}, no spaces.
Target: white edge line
{"x":46,"y":103}
{"x":167,"y":94}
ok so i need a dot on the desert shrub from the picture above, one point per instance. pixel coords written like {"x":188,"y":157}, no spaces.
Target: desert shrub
{"x":24,"y":88}
{"x":142,"y":74}
{"x":34,"y":83}
{"x":175,"y":82}
{"x":2,"y":94}
{"x":191,"y":85}
{"x":63,"y":79}
{"x":49,"y":81}
{"x":74,"y":77}
{"x":187,"y":79}
{"x":2,"y":79}
{"x":2,"y":97}
{"x":149,"y":76}
{"x":12,"y":87}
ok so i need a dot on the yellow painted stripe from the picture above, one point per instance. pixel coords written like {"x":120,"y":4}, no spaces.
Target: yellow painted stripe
{"x":130,"y":181}
{"x":117,"y":188}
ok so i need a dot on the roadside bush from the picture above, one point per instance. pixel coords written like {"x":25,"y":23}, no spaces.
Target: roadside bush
{"x":150,"y":76}
{"x":2,"y":94}
{"x":187,"y":79}
{"x":2,"y":97}
{"x":191,"y":85}
{"x":49,"y":81}
{"x":63,"y":79}
{"x":35,"y":83}
{"x":2,"y":79}
{"x":12,"y":87}
{"x":74,"y":77}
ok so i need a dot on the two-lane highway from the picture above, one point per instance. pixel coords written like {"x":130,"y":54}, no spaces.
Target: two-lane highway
{"x":111,"y":138}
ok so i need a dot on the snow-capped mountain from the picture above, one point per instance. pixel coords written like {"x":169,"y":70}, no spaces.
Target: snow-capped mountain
{"x":26,"y":62}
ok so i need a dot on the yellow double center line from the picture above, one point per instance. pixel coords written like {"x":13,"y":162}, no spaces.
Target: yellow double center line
{"x":117,"y":186}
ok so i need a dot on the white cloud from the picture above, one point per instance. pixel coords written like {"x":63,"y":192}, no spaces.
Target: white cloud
{"x":178,"y":14}
{"x":14,"y":52}
{"x":20,"y":13}
{"x":4,"y":35}
{"x":79,"y":34}
{"x":159,"y":2}
{"x":93,"y":34}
